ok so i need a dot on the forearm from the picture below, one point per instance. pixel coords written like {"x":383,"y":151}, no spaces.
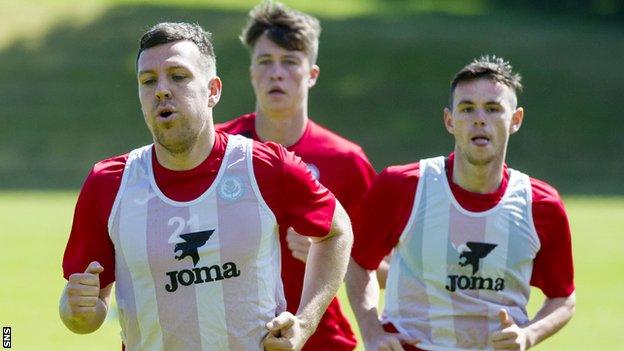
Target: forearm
{"x":551,"y":317}
{"x":363,"y":293}
{"x":325,"y":269}
{"x":382,"y":272}
{"x":82,"y":323}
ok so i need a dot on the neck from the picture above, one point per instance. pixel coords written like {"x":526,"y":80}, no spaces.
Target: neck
{"x":482,"y":179}
{"x":283,"y":128}
{"x":188,"y":159}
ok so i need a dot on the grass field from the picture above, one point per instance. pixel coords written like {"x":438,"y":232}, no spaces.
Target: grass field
{"x":35,"y":227}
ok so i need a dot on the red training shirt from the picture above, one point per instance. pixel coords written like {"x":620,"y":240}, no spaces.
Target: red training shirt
{"x":387,"y":207}
{"x":279,"y":174}
{"x":343,"y":168}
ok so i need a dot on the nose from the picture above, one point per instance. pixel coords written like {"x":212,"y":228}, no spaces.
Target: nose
{"x":479,"y":117}
{"x":162,"y":91}
{"x":276,"y":72}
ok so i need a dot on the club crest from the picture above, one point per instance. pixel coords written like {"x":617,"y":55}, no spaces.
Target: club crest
{"x":231,"y":189}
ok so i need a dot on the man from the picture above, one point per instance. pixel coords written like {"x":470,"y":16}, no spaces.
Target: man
{"x":470,"y":236}
{"x":284,"y":45}
{"x":187,"y":227}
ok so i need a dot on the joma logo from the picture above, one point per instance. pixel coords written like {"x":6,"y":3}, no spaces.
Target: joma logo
{"x":471,"y":256}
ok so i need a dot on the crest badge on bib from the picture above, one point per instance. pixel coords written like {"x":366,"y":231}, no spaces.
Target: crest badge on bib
{"x":231,"y":189}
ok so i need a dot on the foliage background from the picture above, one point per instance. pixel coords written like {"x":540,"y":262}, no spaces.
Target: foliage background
{"x":69,"y":92}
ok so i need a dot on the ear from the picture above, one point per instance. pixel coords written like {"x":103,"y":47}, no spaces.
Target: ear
{"x":516,"y":120}
{"x":448,"y":120}
{"x":314,"y":73}
{"x":215,"y":87}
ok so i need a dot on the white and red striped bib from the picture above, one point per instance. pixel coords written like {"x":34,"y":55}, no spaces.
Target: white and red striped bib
{"x":197,"y":275}
{"x":453,"y":270}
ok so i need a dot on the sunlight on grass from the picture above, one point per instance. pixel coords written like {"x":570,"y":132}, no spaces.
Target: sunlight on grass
{"x":328,"y":8}
{"x":31,"y":19}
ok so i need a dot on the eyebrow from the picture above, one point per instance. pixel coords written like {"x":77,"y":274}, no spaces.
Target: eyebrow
{"x":168,"y":69}
{"x":469,"y":102}
{"x":140,"y":73}
{"x":466,"y":102}
{"x":290,"y":56}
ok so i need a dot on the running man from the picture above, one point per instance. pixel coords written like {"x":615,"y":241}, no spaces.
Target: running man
{"x":284,"y":46}
{"x":186,"y":227}
{"x":470,"y":236}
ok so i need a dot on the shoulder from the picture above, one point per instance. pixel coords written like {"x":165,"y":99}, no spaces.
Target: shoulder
{"x":237,"y":125}
{"x":272,"y":158}
{"x":546,"y":198}
{"x":325,"y":138}
{"x":107,"y":173}
{"x":100,"y":188}
{"x":549,"y":214}
{"x":398,"y":179}
{"x":401,"y":173}
{"x":269,"y":151}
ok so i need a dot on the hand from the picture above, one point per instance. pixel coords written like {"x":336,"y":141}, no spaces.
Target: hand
{"x":83,"y":291}
{"x":511,"y":336}
{"x":298,"y":244}
{"x":389,"y":342}
{"x":286,"y":332}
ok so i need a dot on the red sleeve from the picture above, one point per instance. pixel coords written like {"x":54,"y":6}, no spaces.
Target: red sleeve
{"x":89,"y":239}
{"x":359,"y":179}
{"x":553,"y":270}
{"x":383,"y":213}
{"x":296,"y":198}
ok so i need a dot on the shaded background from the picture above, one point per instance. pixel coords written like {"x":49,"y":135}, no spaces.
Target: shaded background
{"x":68,"y":88}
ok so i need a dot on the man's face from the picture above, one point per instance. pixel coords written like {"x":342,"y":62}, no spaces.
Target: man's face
{"x":280,"y":78}
{"x":177,"y":94}
{"x":484,"y":115}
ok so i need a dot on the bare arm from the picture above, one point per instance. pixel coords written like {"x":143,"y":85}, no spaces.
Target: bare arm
{"x":552,"y":316}
{"x":299,"y":246}
{"x":363,"y":292}
{"x":83,"y":305}
{"x":325,"y":269}
{"x":382,"y":271}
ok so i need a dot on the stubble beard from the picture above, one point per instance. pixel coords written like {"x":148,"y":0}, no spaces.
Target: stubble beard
{"x":478,"y":161}
{"x":180,"y":143}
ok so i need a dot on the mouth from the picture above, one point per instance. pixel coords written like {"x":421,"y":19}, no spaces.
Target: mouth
{"x":165,"y":112}
{"x":480,"y":140}
{"x":276,"y":91}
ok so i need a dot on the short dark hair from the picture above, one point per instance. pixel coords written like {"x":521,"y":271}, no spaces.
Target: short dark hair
{"x":286,"y":27}
{"x":168,"y":32}
{"x":488,"y":67}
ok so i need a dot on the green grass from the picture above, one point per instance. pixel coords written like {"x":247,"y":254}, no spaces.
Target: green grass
{"x":67,"y":74}
{"x":35,"y":227}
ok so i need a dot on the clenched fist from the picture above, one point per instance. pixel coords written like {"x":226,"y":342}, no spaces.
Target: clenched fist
{"x":83,"y":291}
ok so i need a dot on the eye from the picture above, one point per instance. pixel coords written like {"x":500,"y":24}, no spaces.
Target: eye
{"x":466,"y":109}
{"x":178,"y":77}
{"x":148,"y":81}
{"x":492,"y":109}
